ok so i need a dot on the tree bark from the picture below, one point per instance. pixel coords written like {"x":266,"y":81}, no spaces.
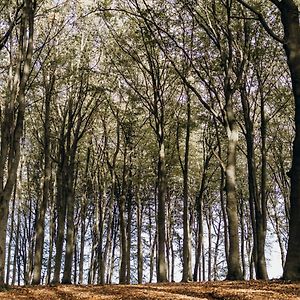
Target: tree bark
{"x":234,"y":265}
{"x":187,"y":263}
{"x":290,"y":20}
{"x":40,"y":225}
{"x":256,"y":203}
{"x":161,"y":214}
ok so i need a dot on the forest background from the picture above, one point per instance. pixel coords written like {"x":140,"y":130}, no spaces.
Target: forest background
{"x":141,"y":140}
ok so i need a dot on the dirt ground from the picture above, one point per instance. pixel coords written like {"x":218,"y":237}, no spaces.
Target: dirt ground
{"x":172,"y":291}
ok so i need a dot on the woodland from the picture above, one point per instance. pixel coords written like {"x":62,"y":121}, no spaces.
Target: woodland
{"x":149,"y":141}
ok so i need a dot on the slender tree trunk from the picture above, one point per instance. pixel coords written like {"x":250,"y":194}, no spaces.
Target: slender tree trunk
{"x":51,"y":234}
{"x":242,"y":220}
{"x":187,"y":263}
{"x":122,"y":221}
{"x":40,"y":225}
{"x":123,"y":267}
{"x":101,"y":207}
{"x":12,"y":228}
{"x":209,"y":232}
{"x":70,"y":198}
{"x":199,"y":209}
{"x":161,"y":213}
{"x":17,"y":247}
{"x":61,"y":214}
{"x":139,"y":238}
{"x":82,"y":239}
{"x":256,"y":202}
{"x":218,"y":233}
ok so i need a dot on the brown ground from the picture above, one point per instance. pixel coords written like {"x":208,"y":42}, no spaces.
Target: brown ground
{"x":186,"y":291}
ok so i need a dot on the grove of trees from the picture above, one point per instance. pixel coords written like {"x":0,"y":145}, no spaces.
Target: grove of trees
{"x":148,"y":140}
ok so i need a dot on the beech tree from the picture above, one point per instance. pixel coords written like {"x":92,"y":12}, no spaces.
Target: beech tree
{"x":13,"y":112}
{"x":289,"y":13}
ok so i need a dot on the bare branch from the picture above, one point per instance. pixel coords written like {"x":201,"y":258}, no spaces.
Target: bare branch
{"x":262,"y":19}
{"x":5,"y":37}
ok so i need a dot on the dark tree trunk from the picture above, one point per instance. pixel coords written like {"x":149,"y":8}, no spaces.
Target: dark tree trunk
{"x":187,"y":262}
{"x":290,"y":20}
{"x":40,"y":224}
{"x":257,"y":204}
{"x":161,"y":215}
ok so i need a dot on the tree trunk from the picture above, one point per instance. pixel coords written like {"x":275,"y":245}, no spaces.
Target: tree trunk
{"x":40,"y":225}
{"x":12,"y":223}
{"x":290,"y":20}
{"x":234,"y":265}
{"x":122,"y":221}
{"x":61,"y":214}
{"x":256,"y":202}
{"x":16,"y":252}
{"x":70,"y":198}
{"x":161,"y":215}
{"x":139,"y":238}
{"x":51,"y":235}
{"x":187,"y":263}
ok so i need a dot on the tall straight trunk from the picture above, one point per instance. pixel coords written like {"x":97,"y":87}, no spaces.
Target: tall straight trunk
{"x":234,"y":265}
{"x":218,"y":232}
{"x":139,"y":238}
{"x":168,"y":236}
{"x":122,"y":221}
{"x":40,"y":225}
{"x":11,"y":133}
{"x":242,"y":220}
{"x":51,"y":235}
{"x":75,"y":257}
{"x":199,"y":209}
{"x":112,"y":250}
{"x":69,"y":195}
{"x":61,"y":215}
{"x":109,"y":235}
{"x":123,"y":267}
{"x":257,"y":203}
{"x":129,"y":219}
{"x":70,"y":206}
{"x":101,"y":216}
{"x":187,"y":262}
{"x":262,"y":215}
{"x":209,"y":233}
{"x":290,"y":20}
{"x":17,"y":247}
{"x":82,"y":241}
{"x":221,"y":192}
{"x":153,"y":244}
{"x":161,"y":215}
{"x":12,"y":228}
{"x":203,"y":266}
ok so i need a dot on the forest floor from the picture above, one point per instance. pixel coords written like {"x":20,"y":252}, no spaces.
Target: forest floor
{"x":172,"y":291}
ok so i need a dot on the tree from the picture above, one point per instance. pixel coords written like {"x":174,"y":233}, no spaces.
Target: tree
{"x":289,"y":13}
{"x":12,"y":123}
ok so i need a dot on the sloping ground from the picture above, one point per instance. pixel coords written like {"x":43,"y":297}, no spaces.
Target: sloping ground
{"x":170,"y":291}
